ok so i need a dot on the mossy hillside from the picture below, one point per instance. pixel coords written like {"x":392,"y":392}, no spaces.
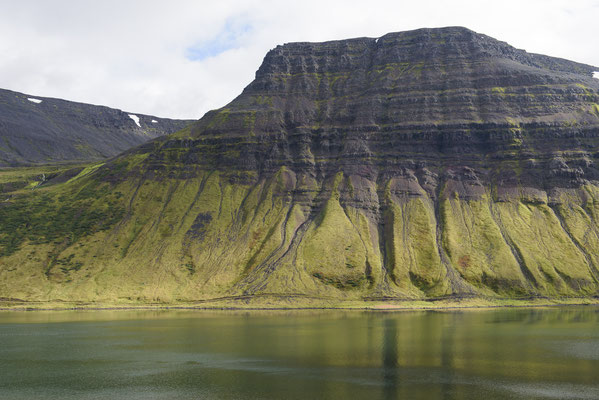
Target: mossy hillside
{"x":369,"y":236}
{"x":285,"y":268}
{"x":223,"y":234}
{"x":413,"y":256}
{"x":333,"y":250}
{"x":40,"y":229}
{"x":576,"y":211}
{"x":556,"y":264}
{"x":262,"y":239}
{"x":477,"y":249}
{"x":276,"y":242}
{"x":86,"y":259}
{"x":108,"y":270}
{"x":58,"y":217}
{"x":232,"y":245}
{"x":152,"y":236}
{"x":20,"y":180}
{"x":189,"y":238}
{"x":583,"y":231}
{"x":312,"y":255}
{"x":153,"y":241}
{"x":205,"y":237}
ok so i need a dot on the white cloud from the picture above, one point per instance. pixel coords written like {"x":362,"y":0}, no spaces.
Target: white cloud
{"x":182,"y":58}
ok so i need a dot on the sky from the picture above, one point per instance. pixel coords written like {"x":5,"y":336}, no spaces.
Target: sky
{"x":182,"y":58}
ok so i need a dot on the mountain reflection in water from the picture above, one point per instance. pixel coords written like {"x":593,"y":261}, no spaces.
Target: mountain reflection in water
{"x":550,"y":353}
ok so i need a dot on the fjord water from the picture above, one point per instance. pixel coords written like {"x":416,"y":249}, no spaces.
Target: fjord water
{"x":550,"y":353}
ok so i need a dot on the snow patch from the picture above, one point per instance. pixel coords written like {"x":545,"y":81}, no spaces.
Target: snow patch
{"x":36,"y":101}
{"x":376,"y":40}
{"x":596,"y":74}
{"x":135,"y":119}
{"x":154,"y":121}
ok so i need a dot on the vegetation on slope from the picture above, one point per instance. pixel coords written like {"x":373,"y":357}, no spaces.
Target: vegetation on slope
{"x":126,"y":232}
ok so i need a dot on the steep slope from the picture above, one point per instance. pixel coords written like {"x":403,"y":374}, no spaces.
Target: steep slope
{"x":39,"y":130}
{"x":423,"y":164}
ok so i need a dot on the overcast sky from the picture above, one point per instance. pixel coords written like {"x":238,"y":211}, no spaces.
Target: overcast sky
{"x":182,"y":58}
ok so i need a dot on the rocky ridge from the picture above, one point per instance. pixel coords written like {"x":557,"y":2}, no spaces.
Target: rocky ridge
{"x":40,"y":130}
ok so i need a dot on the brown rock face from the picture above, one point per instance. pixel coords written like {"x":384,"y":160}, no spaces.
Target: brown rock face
{"x":430,"y":104}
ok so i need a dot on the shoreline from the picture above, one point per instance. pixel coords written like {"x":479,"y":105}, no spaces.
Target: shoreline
{"x":286,"y":304}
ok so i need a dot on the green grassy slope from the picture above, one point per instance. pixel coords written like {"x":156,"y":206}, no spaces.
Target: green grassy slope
{"x":160,"y":237}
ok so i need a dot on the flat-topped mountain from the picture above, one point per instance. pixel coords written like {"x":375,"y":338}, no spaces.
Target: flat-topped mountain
{"x":422,"y":164}
{"x":40,"y":130}
{"x":429,"y":84}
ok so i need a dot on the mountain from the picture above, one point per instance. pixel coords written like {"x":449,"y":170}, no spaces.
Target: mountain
{"x":436,"y":163}
{"x":40,"y":130}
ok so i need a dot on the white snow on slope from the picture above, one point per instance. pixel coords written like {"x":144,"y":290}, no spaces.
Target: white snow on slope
{"x":36,"y":101}
{"x":154,"y":121}
{"x":596,"y":74}
{"x":135,"y":119}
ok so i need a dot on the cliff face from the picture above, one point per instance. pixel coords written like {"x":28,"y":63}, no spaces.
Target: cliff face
{"x":430,"y":163}
{"x":40,"y":130}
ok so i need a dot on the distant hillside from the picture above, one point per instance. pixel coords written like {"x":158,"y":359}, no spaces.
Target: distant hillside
{"x":40,"y":130}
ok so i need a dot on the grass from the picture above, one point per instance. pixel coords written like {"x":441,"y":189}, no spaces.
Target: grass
{"x":477,"y":248}
{"x":412,"y":251}
{"x":281,"y":302}
{"x":110,"y":236}
{"x":332,"y":248}
{"x":46,"y":218}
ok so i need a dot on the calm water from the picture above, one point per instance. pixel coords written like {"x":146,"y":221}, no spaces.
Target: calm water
{"x":501,"y":354}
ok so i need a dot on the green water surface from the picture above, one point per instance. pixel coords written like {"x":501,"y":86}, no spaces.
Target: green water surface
{"x":550,"y":353}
